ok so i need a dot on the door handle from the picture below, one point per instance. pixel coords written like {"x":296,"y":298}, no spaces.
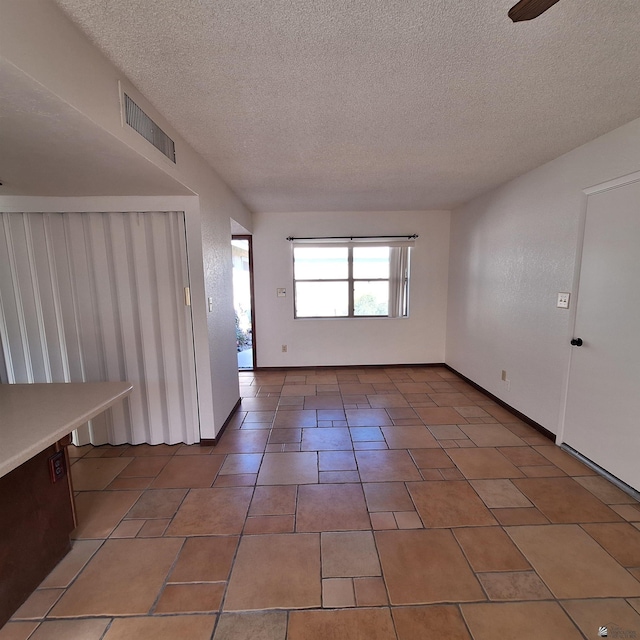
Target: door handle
{"x":576,"y":342}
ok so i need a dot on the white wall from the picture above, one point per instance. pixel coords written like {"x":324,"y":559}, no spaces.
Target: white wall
{"x":512,"y":251}
{"x":39,"y":40}
{"x":420,"y":338}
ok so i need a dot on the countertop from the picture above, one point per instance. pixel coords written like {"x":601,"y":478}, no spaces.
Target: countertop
{"x":35,"y":416}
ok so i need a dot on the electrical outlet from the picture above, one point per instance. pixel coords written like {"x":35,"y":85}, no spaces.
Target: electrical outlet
{"x":563,"y":300}
{"x":284,"y":348}
{"x":507,"y":384}
{"x":57,"y":467}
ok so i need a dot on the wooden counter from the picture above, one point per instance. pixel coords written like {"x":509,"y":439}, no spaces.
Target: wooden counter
{"x":37,"y":513}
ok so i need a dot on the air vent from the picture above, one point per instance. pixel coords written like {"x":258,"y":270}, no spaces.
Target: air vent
{"x":137,"y":119}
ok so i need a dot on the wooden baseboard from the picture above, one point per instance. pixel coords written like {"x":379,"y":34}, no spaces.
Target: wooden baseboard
{"x":347,"y":367}
{"x":521,"y":416}
{"x":212,"y":442}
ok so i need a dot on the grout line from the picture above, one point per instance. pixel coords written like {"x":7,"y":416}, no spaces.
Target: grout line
{"x":255,"y":381}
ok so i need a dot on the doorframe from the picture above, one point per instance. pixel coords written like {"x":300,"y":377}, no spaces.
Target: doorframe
{"x":573,"y":310}
{"x":249,"y":238}
{"x":190,"y":205}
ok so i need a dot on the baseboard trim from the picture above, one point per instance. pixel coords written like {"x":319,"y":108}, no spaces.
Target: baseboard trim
{"x":521,"y":416}
{"x":212,"y":442}
{"x":346,"y":367}
{"x":518,"y":414}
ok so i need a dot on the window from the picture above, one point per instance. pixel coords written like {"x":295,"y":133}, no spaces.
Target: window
{"x":351,"y":280}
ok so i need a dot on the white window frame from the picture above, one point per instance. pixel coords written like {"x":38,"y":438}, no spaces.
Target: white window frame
{"x":399,"y":278}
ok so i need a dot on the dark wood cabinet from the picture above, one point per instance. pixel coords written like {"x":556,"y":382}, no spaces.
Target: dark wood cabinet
{"x":36,"y":518}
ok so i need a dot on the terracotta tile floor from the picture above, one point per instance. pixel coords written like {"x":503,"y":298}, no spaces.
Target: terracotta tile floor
{"x":387,"y":504}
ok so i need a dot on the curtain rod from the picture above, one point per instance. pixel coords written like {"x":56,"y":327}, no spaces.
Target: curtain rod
{"x":408,"y":237}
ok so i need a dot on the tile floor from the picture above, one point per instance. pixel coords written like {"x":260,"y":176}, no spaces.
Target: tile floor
{"x":344,"y":504}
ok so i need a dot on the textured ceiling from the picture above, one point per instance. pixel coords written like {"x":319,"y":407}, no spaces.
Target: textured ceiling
{"x":307,"y":105}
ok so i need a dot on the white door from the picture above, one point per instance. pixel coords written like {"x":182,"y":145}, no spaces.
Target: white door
{"x":100,"y":296}
{"x":602,"y":419}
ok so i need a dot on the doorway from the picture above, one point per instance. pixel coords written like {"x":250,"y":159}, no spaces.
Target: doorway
{"x":602,"y":401}
{"x":90,"y":297}
{"x":242,"y":257}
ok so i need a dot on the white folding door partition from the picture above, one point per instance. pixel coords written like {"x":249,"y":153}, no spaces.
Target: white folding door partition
{"x":101,"y":296}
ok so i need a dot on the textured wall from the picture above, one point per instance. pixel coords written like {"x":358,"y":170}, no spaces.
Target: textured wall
{"x":512,"y":251}
{"x":416,"y":339}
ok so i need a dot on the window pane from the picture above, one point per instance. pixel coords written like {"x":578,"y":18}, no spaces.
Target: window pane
{"x":371,"y":262}
{"x":320,"y":263}
{"x":322,"y":299}
{"x":371,"y":298}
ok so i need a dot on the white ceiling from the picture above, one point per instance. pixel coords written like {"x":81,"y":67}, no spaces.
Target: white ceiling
{"x":312,"y":105}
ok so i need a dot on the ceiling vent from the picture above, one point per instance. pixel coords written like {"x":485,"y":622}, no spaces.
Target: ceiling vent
{"x":137,"y":119}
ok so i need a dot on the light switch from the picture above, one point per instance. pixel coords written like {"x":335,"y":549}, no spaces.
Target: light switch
{"x":210,"y":303}
{"x":563,"y":300}
{"x":281,"y":293}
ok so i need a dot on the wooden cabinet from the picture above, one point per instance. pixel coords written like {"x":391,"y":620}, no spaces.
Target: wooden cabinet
{"x":37,"y":517}
{"x":36,"y":514}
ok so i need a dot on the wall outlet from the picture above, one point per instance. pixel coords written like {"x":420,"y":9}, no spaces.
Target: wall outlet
{"x":563,"y":300}
{"x":57,"y":467}
{"x":284,"y":348}
{"x":507,"y":384}
{"x":281,"y":293}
